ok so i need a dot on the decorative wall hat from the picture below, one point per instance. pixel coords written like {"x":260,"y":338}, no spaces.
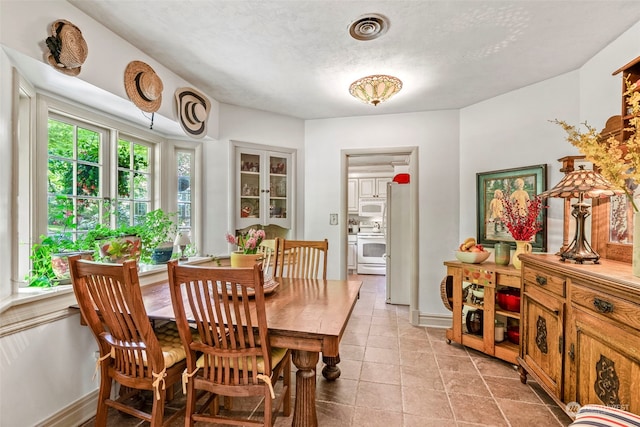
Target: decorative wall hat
{"x":67,"y":48}
{"x":143,"y":86}
{"x":192,"y":111}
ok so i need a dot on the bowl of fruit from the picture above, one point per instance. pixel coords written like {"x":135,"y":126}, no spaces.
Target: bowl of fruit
{"x":471,"y":253}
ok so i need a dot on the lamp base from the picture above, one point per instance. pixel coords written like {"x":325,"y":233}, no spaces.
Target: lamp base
{"x":579,"y":250}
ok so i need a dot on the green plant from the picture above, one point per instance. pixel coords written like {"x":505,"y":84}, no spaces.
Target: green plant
{"x":156,"y":229}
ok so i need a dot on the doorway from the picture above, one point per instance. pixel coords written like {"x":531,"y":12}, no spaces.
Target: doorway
{"x":383,"y":162}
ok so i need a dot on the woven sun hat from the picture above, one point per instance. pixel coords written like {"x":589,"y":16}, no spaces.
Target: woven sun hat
{"x":67,"y":48}
{"x":143,"y":86}
{"x":192,"y":111}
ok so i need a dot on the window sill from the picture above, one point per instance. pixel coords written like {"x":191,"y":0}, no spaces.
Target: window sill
{"x":30,"y":307}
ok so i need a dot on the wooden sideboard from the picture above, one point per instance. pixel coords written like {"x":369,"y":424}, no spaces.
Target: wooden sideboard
{"x":580,"y":331}
{"x":487,"y":278}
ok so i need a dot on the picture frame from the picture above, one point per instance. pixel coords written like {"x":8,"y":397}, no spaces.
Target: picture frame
{"x":505,"y":183}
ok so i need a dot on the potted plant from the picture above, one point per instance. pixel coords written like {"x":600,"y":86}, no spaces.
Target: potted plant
{"x":157,"y":232}
{"x":247,"y":254}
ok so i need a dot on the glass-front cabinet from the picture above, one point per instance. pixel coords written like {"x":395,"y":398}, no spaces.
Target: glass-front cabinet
{"x":263,"y":186}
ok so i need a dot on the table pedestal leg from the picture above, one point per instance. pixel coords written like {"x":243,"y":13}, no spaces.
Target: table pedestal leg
{"x":331,"y":372}
{"x":304,"y":413}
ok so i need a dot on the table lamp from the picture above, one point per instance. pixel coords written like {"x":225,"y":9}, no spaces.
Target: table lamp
{"x":182,"y":240}
{"x":581,"y":184}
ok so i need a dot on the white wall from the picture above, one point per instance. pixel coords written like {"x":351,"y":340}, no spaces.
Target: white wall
{"x":245,"y":125}
{"x":436,"y":135}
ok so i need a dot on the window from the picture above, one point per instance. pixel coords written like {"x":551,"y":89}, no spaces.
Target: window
{"x":133,"y":182}
{"x":75,"y":172}
{"x":184,"y":160}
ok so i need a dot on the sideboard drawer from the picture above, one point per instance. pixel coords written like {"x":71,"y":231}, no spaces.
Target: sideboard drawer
{"x":544,"y":280}
{"x":612,"y":307}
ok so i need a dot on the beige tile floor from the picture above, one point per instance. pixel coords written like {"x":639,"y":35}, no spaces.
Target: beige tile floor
{"x":395,"y":374}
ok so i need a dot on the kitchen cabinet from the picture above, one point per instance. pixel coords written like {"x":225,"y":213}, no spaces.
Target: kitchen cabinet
{"x":474,"y":291}
{"x":373,"y":187}
{"x":352,"y":252}
{"x":581,"y":331}
{"x":263,"y":188}
{"x":352,"y":195}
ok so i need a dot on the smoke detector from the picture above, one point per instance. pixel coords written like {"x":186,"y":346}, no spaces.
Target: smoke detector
{"x":369,"y":27}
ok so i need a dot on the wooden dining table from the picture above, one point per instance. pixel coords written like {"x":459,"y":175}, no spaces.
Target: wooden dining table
{"x":307,"y":316}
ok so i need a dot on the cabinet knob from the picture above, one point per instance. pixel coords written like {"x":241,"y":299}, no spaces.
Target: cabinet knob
{"x":541,"y":280}
{"x":603,"y":306}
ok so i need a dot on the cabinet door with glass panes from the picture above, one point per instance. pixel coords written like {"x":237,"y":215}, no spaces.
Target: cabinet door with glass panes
{"x":263,"y":187}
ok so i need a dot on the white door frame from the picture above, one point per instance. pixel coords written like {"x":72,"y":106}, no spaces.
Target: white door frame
{"x":413,"y":215}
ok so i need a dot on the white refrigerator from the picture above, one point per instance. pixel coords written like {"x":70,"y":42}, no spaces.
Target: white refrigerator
{"x":398,"y":234}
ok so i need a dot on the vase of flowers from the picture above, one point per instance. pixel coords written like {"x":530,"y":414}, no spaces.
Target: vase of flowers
{"x":617,"y":161}
{"x":247,"y":244}
{"x":523,"y":223}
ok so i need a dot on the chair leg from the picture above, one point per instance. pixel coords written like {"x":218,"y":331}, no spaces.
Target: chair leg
{"x":190,"y":406}
{"x":268,"y":407}
{"x":157,"y":412}
{"x":103,"y":394}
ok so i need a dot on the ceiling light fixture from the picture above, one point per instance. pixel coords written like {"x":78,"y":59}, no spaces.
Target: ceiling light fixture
{"x":375,"y":89}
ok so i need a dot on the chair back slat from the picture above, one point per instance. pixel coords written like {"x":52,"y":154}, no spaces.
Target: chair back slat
{"x":304,"y":259}
{"x":268,"y":250}
{"x":110,"y":300}
{"x":226,"y":308}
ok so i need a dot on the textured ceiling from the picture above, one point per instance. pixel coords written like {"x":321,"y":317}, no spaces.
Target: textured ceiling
{"x":297,"y":58}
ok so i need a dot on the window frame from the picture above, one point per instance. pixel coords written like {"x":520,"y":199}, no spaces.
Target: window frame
{"x":25,"y":307}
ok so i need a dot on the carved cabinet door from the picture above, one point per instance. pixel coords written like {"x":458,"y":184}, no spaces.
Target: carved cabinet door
{"x":542,"y":341}
{"x":606,"y":362}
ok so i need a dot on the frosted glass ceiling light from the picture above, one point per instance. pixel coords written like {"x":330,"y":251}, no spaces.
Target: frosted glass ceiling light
{"x":375,"y":89}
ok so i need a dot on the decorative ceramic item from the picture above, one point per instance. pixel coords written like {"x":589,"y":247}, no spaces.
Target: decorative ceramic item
{"x":60,"y":262}
{"x":522,"y":247}
{"x":502,"y":253}
{"x":240,"y":260}
{"x":120,"y":249}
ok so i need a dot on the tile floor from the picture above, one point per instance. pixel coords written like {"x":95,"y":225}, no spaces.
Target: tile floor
{"x":395,"y":374}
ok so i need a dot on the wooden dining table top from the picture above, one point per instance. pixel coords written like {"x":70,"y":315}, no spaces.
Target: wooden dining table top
{"x":302,"y":314}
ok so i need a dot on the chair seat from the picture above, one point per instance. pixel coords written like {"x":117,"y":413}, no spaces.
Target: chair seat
{"x":277,"y":354}
{"x":172,"y":348}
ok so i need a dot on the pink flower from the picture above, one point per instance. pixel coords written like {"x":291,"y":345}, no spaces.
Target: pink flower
{"x":231,"y":239}
{"x":248,"y":242}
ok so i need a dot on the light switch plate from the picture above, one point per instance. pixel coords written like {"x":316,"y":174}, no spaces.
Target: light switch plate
{"x":333,"y":219}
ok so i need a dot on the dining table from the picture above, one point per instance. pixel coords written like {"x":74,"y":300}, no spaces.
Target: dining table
{"x":308,"y":316}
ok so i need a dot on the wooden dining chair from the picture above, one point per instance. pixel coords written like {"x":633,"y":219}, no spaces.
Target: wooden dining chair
{"x":268,"y":248}
{"x":222,"y":321}
{"x":131,"y":352}
{"x":302,"y":259}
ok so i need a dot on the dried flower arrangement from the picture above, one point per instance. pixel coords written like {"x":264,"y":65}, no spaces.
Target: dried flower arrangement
{"x":523,"y":227}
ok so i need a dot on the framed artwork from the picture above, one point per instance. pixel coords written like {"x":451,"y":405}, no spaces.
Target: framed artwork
{"x":518,"y":183}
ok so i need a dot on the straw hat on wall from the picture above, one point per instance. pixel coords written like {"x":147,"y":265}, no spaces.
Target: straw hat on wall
{"x":192,"y":109}
{"x":67,"y":48}
{"x":143,"y":86}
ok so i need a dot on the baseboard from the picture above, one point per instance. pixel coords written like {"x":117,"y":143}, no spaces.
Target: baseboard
{"x":435,"y":320}
{"x":75,"y":414}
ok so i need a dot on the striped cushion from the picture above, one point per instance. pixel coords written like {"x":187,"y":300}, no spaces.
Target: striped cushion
{"x":605,"y":416}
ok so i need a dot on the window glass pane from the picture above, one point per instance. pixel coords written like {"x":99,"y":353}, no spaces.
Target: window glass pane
{"x":60,"y":215}
{"x":60,"y":139}
{"x":88,"y":180}
{"x":124,"y":154}
{"x":141,"y":157}
{"x":141,"y":186}
{"x":88,"y":214}
{"x":140,"y":209}
{"x":88,"y":145}
{"x":184,"y":164}
{"x":60,"y":177}
{"x":124,"y":184}
{"x":123,"y":214}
